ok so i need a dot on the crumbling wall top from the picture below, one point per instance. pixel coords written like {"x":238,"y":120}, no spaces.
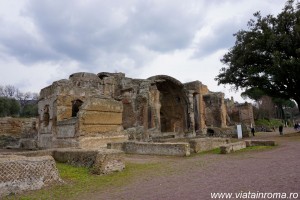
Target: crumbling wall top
{"x":165,"y":77}
{"x":101,"y":75}
{"x":84,"y":76}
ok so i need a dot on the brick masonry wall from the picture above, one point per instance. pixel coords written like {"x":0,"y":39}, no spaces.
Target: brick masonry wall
{"x":20,"y":173}
{"x":17,"y":127}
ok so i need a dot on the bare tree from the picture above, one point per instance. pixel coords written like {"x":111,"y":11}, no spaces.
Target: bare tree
{"x":1,"y":91}
{"x":9,"y":91}
{"x":22,"y":97}
{"x":35,"y":96}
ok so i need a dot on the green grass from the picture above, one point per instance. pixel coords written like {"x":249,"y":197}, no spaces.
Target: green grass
{"x":268,"y":122}
{"x":247,"y":149}
{"x":78,"y":180}
{"x":255,"y":148}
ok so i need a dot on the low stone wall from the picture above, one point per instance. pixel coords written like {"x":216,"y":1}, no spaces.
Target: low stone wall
{"x":102,"y":161}
{"x":206,"y":144}
{"x":198,"y":144}
{"x":166,"y":149}
{"x":250,"y":143}
{"x":232,"y":147}
{"x":18,"y":127}
{"x":20,"y":173}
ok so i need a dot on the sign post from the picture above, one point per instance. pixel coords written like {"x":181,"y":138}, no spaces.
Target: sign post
{"x":239,"y":131}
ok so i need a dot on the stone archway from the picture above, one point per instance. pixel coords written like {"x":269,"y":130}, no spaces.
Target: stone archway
{"x":174,"y":106}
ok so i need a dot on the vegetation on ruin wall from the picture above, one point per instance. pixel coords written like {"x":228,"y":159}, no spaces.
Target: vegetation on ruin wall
{"x":78,"y":181}
{"x":267,"y":55}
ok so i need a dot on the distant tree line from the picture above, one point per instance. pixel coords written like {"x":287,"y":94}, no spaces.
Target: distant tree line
{"x":15,"y":103}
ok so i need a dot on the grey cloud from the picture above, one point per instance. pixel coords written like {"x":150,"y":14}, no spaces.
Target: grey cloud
{"x":222,"y":37}
{"x":76,"y":30}
{"x":90,"y":32}
{"x":18,"y":42}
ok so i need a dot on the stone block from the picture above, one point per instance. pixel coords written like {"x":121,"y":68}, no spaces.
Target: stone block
{"x":250,"y":143}
{"x":29,"y":144}
{"x":101,"y":161}
{"x":104,"y":105}
{"x":94,"y":129}
{"x":116,"y":145}
{"x":108,"y":161}
{"x":166,"y":149}
{"x":97,"y":142}
{"x":105,"y":118}
{"x":17,"y":127}
{"x":20,"y":173}
{"x":232,"y":147}
{"x":66,"y":128}
{"x":45,"y":141}
{"x":206,"y":144}
{"x":65,"y":143}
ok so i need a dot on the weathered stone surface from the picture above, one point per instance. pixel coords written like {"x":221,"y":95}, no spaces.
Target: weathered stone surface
{"x":29,"y":144}
{"x":232,"y":147}
{"x":108,"y":161}
{"x":97,"y":142}
{"x":18,"y":127}
{"x":166,"y":149}
{"x":239,"y":113}
{"x":103,"y":161}
{"x":206,"y":144}
{"x":90,"y":105}
{"x":99,"y":116}
{"x":66,"y":128}
{"x":98,"y":128}
{"x":45,"y":141}
{"x":250,"y":143}
{"x":105,"y":118}
{"x":103,"y":105}
{"x":19,"y":173}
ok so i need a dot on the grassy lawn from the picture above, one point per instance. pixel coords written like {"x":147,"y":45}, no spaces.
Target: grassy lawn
{"x":78,"y":180}
{"x":255,"y":148}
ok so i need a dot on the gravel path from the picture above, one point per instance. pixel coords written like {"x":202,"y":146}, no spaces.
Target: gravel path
{"x":275,"y":170}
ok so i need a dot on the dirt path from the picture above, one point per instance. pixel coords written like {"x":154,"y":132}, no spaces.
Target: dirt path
{"x":275,"y":170}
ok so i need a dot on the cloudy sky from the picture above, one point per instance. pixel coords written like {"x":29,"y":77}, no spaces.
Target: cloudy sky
{"x":44,"y":41}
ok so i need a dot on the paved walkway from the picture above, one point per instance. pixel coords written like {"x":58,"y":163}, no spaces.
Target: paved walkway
{"x":196,"y":177}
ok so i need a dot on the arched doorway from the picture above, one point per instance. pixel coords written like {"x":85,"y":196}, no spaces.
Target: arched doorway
{"x":174,"y":107}
{"x":75,"y":107}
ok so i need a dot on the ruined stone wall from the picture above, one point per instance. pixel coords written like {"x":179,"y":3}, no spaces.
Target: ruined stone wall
{"x":239,"y":113}
{"x":215,"y":110}
{"x":59,"y":103}
{"x":20,"y":173}
{"x":246,"y":114}
{"x":159,"y":104}
{"x":99,"y":122}
{"x":99,"y":116}
{"x":18,"y":127}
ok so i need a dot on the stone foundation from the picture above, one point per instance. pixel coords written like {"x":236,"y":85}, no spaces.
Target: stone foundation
{"x":166,"y":149}
{"x":20,"y":173}
{"x":232,"y":147}
{"x":206,"y":144}
{"x":18,"y":127}
{"x":102,"y":161}
{"x":250,"y":143}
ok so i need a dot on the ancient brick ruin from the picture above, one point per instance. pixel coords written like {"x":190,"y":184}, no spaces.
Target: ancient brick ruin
{"x":90,"y":110}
